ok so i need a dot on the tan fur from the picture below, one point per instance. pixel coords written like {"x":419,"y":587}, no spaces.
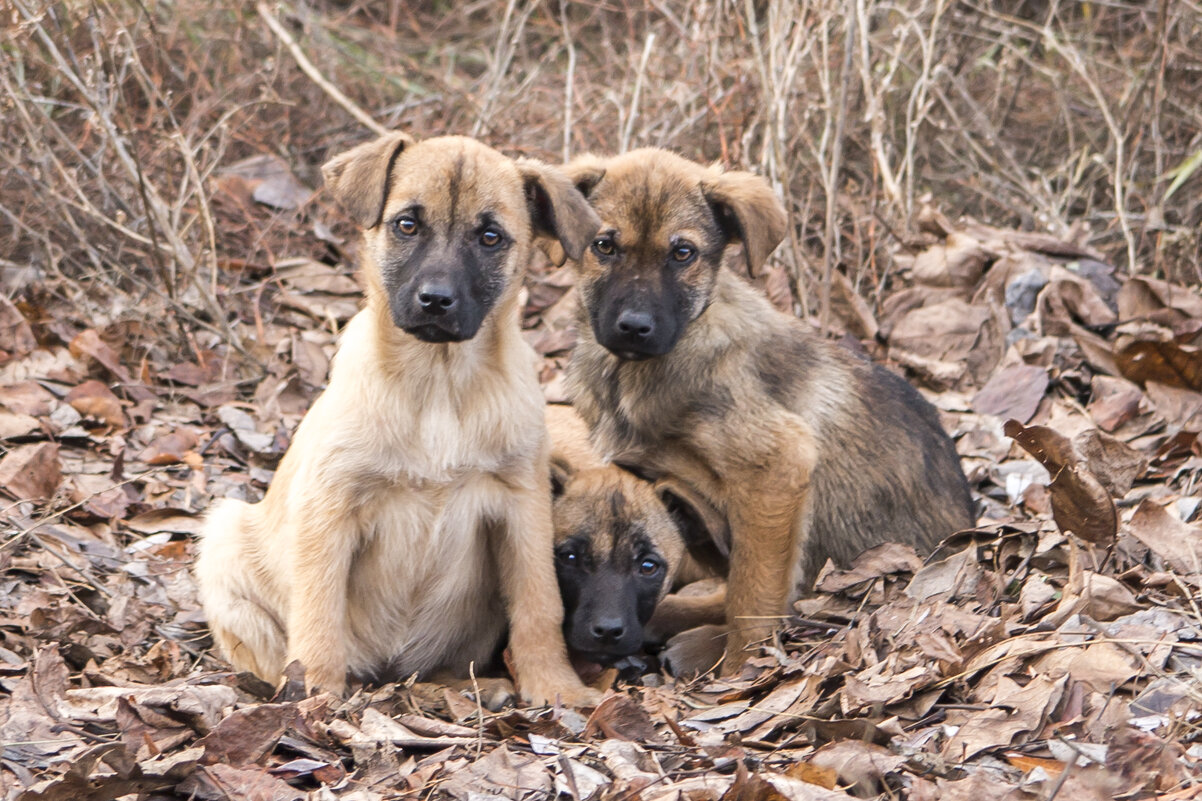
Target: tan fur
{"x":808,"y":451}
{"x":414,"y":497}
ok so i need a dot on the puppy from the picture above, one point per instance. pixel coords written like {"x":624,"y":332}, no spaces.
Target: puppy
{"x":682,"y":367}
{"x":414,"y":498}
{"x":621,"y":544}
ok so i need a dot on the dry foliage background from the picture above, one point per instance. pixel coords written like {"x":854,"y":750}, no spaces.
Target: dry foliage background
{"x":1001,"y":198}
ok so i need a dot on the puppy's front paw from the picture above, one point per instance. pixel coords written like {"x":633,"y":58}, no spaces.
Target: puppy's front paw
{"x":695,"y":651}
{"x":300,"y":680}
{"x":572,"y":693}
{"x":494,"y":693}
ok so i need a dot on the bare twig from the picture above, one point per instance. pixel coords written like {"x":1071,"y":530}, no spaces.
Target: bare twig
{"x":628,"y":129}
{"x":302,"y":61}
{"x":569,"y":81}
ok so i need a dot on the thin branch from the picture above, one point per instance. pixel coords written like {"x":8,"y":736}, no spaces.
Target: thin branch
{"x":365,"y":119}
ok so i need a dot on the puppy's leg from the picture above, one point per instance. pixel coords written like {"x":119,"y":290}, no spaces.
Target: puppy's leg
{"x":525,"y":554}
{"x":684,"y":610}
{"x":326,"y":539}
{"x":247,"y":632}
{"x":766,"y":478}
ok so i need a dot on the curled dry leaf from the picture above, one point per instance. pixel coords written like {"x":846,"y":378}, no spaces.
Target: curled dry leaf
{"x":958,"y":262}
{"x":1080,"y":503}
{"x":862,"y":766}
{"x":245,"y":429}
{"x":31,"y":471}
{"x":88,"y":344}
{"x":220,"y":782}
{"x":170,"y":448}
{"x":1165,"y":362}
{"x":884,"y":559}
{"x":1181,"y":408}
{"x":1113,"y":401}
{"x":1144,"y":297}
{"x":1178,"y":544}
{"x":247,"y":735}
{"x":1069,"y":300}
{"x":94,"y":399}
{"x":1013,"y":392}
{"x":1017,"y":712}
{"x":622,"y":717}
{"x":16,"y":335}
{"x":1116,"y":464}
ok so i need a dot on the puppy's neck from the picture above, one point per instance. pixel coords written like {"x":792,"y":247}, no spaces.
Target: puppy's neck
{"x":737,"y":312}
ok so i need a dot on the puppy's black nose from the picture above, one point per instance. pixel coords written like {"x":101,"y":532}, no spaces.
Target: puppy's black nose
{"x":608,"y":629}
{"x":635,"y":324}
{"x":435,"y":297}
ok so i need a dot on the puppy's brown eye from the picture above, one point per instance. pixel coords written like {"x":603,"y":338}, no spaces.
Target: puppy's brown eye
{"x":604,"y":246}
{"x":405,"y":225}
{"x":490,"y":238}
{"x":648,"y":567}
{"x":683,"y":254}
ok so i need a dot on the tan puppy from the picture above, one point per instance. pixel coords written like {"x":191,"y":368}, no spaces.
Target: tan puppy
{"x":809,"y":451}
{"x":621,"y":544}
{"x":414,"y":498}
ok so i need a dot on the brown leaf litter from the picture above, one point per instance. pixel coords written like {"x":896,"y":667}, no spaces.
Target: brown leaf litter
{"x":1053,"y":650}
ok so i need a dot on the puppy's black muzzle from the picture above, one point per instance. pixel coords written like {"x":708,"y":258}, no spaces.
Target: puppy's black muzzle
{"x":436,"y":308}
{"x":604,"y":625}
{"x":635,"y":319}
{"x":436,"y":298}
{"x":635,"y":333}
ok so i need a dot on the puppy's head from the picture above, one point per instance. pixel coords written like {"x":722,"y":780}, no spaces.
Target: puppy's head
{"x":666,"y":223}
{"x":619,"y":541}
{"x":448,"y":225}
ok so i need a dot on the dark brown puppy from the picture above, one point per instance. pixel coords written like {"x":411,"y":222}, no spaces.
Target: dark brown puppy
{"x":410,"y":520}
{"x":683,"y":368}
{"x":621,"y":544}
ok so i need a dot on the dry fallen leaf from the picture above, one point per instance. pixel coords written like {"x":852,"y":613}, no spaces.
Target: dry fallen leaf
{"x":31,"y":471}
{"x":1017,"y":712}
{"x":1178,"y":544}
{"x":862,"y":766}
{"x":94,"y":399}
{"x":16,"y":335}
{"x":1012,"y":392}
{"x":89,"y":344}
{"x":247,"y":735}
{"x":1165,"y":362}
{"x":1113,"y":401}
{"x":1080,"y":503}
{"x":622,"y":717}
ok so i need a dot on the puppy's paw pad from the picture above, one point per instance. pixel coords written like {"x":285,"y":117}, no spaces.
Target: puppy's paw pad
{"x":494,"y":694}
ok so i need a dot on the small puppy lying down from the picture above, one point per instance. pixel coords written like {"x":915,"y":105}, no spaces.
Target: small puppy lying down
{"x":621,"y":545}
{"x":410,"y":520}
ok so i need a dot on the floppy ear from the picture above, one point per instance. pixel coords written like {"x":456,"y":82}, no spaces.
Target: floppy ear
{"x":557,"y":210}
{"x":585,"y":172}
{"x":705,"y":530}
{"x":561,"y":473}
{"x":358,"y":179}
{"x":749,"y":211}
